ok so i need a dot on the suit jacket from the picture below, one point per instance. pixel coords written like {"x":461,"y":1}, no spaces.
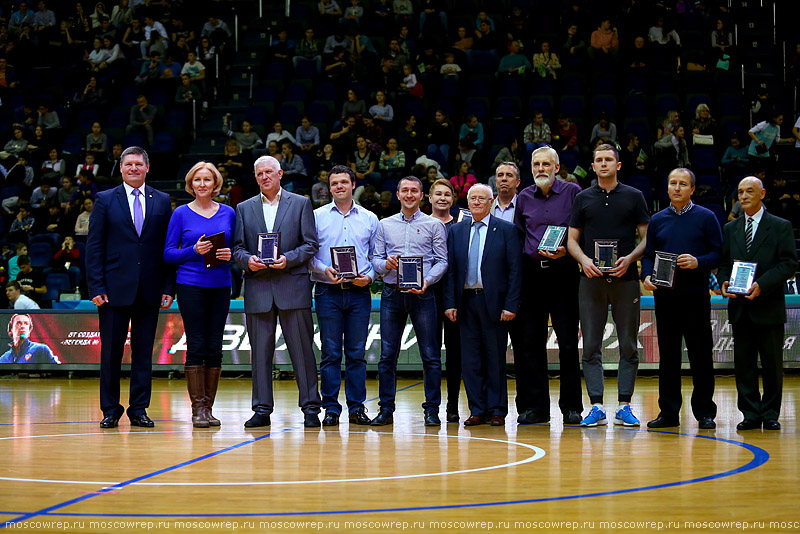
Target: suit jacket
{"x":501,"y":266}
{"x":773,"y":250}
{"x":117,"y":259}
{"x":288,"y":288}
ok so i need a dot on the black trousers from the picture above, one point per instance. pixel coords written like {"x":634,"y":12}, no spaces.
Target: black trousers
{"x":204,"y":311}
{"x":452,"y":344}
{"x":114,"y":320}
{"x":684,"y":315}
{"x":751,"y":340}
{"x":549,"y":294}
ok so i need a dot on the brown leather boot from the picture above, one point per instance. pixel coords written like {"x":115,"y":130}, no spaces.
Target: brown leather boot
{"x":196,"y":383}
{"x":212,"y":381}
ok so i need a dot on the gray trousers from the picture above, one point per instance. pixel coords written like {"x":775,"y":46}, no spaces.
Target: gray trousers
{"x":298,"y":331}
{"x":595,"y":295}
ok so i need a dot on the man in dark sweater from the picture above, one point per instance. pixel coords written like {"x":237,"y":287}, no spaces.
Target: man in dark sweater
{"x":683,"y":311}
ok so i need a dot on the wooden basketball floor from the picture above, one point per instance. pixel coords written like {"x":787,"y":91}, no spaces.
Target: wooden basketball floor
{"x":61,"y":472}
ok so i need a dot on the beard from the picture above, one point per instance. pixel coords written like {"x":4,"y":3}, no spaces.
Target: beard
{"x":542,"y":181}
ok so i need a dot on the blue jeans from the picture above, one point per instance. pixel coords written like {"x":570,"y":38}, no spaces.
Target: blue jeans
{"x":343,"y":316}
{"x":396,"y":307}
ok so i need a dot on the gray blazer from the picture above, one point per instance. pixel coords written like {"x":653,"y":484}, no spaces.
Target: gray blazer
{"x":288,"y":288}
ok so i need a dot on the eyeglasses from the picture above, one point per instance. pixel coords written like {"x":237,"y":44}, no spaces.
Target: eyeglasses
{"x":479,"y":200}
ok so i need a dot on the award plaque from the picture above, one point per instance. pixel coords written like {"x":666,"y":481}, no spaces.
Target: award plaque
{"x":742,"y":275}
{"x":269,"y":246}
{"x":409,"y":272}
{"x":664,"y":267}
{"x":210,"y":257}
{"x":344,"y":262}
{"x":605,"y":254}
{"x":553,"y":238}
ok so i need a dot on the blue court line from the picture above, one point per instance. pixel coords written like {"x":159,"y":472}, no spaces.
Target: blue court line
{"x":46,"y":511}
{"x":760,"y":457}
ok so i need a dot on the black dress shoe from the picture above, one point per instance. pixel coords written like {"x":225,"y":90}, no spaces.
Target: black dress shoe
{"x":311,"y":420}
{"x":331,"y":419}
{"x":497,"y":420}
{"x":474,"y":420}
{"x":383,"y":418}
{"x":772,"y":424}
{"x":452,"y":417}
{"x":749,"y":424}
{"x":359,"y":417}
{"x":529,"y":417}
{"x":572,"y":418}
{"x":109,"y":421}
{"x":432,"y":418}
{"x":706,"y":423}
{"x":257,"y":420}
{"x":663,"y":422}
{"x":141,"y":420}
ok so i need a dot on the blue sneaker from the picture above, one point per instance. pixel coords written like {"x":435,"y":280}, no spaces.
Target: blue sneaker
{"x":597,"y":416}
{"x":625,"y":417}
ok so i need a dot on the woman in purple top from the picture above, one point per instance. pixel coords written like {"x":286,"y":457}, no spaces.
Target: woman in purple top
{"x":203,"y":292}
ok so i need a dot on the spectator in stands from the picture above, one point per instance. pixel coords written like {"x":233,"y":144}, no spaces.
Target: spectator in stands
{"x":215,"y":27}
{"x":281,"y":49}
{"x":105,"y":30}
{"x":639,"y":54}
{"x":207,"y":52}
{"x":31,"y":280}
{"x":514,"y":63}
{"x":387,"y":78}
{"x":344,"y":139}
{"x":403,"y":11}
{"x":233,"y":159}
{"x":735,"y":159}
{"x":82,"y":223}
{"x":381,"y":110}
{"x":398,"y":55}
{"x":325,"y":158}
{"x":96,"y":142}
{"x":517,"y":23}
{"x":366,"y":195}
{"x":53,"y":222}
{"x":546,"y":63}
{"x":112,"y":165}
{"x":89,"y":164}
{"x":364,"y":162}
{"x":573,"y":44}
{"x":352,"y":15}
{"x":18,"y":18}
{"x":151,"y":71}
{"x":92,"y":96}
{"x":337,"y":40}
{"x":142,"y":116}
{"x":65,"y":260}
{"x":353,"y":105}
{"x":44,"y":23}
{"x":97,"y":56}
{"x":604,"y":129}
{"x":307,"y":49}
{"x":441,"y":133}
{"x":466,"y":152}
{"x":154,"y":34}
{"x":487,"y":40}
{"x":81,"y":23}
{"x":450,"y":70}
{"x":15,"y":146}
{"x":132,"y":40}
{"x":373,"y":133}
{"x":668,"y":126}
{"x":632,"y":157}
{"x":329,"y":12}
{"x":605,"y":40}
{"x":703,"y":123}
{"x":409,"y":138}
{"x":43,"y":196}
{"x":410,"y":86}
{"x":47,"y":117}
{"x":666,"y":41}
{"x":320,"y":192}
{"x":566,"y":134}
{"x":187,"y":91}
{"x":54,"y":167}
{"x":22,"y":224}
{"x":86,"y":187}
{"x":472,"y":131}
{"x":170,"y":72}
{"x":537,"y":133}
{"x":21,"y":249}
{"x":385,"y":207}
{"x":21,"y":174}
{"x":481,"y":16}
{"x":464,"y":40}
{"x":721,"y":39}
{"x":274,"y":150}
{"x":178,"y":29}
{"x":681,"y":149}
{"x":392,"y":161}
{"x":247,"y":139}
{"x":278,"y":134}
{"x":16,"y":299}
{"x":68,"y":188}
{"x":122,"y":15}
{"x":97,"y":15}
{"x":462,"y":181}
{"x":307,"y":136}
{"x":336,"y":66}
{"x":432,"y":9}
{"x":510,"y":152}
{"x":783,"y":200}
{"x":763,"y":136}
{"x":8,"y":79}
{"x":292,"y":165}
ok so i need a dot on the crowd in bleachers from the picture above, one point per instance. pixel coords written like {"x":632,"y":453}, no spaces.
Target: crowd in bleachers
{"x":434,"y":88}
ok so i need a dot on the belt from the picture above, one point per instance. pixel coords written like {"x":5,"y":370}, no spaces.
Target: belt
{"x":473,"y":291}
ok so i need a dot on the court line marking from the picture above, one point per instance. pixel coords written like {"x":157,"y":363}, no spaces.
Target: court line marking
{"x":539,"y":453}
{"x":760,"y":457}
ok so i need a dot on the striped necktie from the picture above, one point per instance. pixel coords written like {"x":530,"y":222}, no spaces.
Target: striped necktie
{"x":748,"y":233}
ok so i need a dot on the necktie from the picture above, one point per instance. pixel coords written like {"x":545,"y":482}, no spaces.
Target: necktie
{"x":791,"y":287}
{"x":138,"y":215}
{"x":474,"y":258}
{"x":748,"y":233}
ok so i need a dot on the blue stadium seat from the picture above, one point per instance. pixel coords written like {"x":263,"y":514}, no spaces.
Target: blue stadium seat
{"x":40,"y":254}
{"x":704,"y":158}
{"x":56,"y":282}
{"x":642,"y":183}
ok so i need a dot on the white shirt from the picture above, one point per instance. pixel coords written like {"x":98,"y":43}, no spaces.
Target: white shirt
{"x":270,"y":209}
{"x":481,"y":229}
{"x":129,"y":193}
{"x":756,"y":221}
{"x":25,"y":303}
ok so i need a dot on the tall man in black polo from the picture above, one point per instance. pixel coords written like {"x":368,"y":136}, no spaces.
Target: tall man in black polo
{"x":609,"y":211}
{"x":683,"y":311}
{"x":758,"y":317}
{"x":482,"y":289}
{"x":551,"y":291}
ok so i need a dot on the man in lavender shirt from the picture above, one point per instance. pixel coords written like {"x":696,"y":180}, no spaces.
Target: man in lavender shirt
{"x":552,"y":284}
{"x":409,"y":233}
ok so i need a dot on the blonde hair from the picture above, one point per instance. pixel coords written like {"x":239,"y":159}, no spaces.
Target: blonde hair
{"x":197,"y":168}
{"x":699,"y":108}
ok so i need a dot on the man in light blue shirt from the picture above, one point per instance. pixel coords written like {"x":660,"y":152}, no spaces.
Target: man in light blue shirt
{"x":343,"y":303}
{"x":409,"y":233}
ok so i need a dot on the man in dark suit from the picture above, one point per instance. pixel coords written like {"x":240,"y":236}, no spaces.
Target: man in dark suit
{"x":278,"y":290}
{"x":758,"y":317}
{"x":128,"y":281}
{"x":482,"y":290}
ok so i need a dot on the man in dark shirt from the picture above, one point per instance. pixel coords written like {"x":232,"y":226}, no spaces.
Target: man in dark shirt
{"x":683,"y":310}
{"x":31,"y":281}
{"x":552,"y":284}
{"x":608,"y":216}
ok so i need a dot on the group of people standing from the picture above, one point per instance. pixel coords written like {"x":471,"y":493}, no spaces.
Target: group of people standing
{"x":483,"y":277}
